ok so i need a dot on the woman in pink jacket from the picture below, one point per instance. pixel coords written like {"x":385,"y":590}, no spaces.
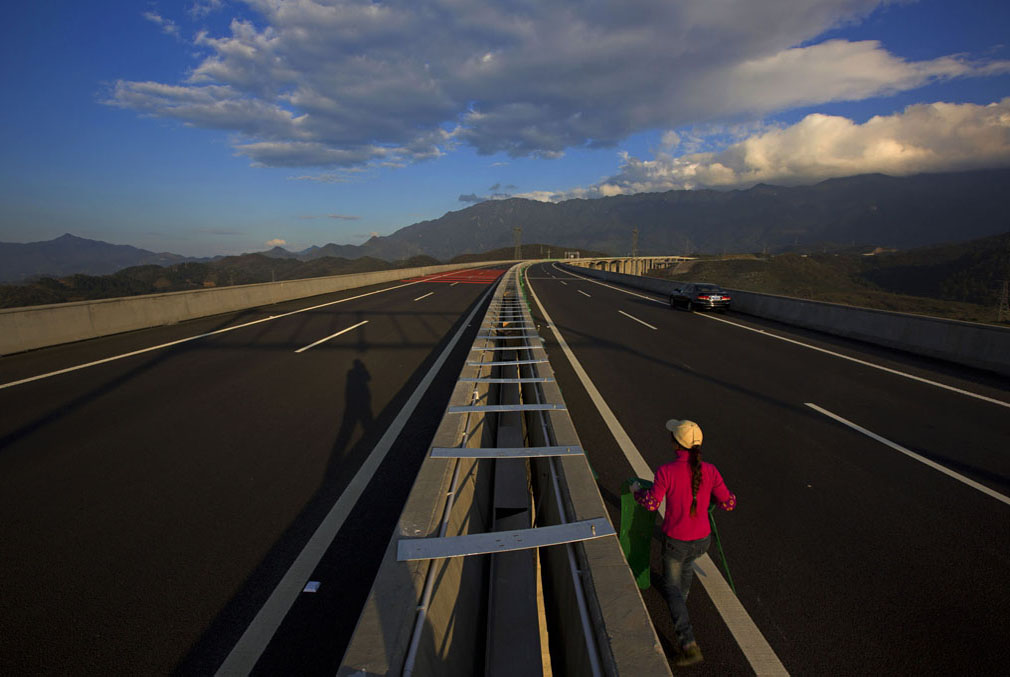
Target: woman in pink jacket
{"x":689,"y":485}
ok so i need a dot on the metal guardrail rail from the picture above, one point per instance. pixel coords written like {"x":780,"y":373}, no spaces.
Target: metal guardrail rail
{"x":504,"y":538}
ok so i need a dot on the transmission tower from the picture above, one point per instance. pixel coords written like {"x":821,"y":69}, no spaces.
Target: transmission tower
{"x":517,"y":239}
{"x":634,"y":243}
{"x":1004,"y":303}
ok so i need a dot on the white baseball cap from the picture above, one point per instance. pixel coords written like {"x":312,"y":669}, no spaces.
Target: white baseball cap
{"x":688,"y":433}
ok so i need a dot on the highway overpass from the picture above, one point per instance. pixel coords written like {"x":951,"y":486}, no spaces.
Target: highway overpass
{"x":157,"y":485}
{"x":629,"y":265}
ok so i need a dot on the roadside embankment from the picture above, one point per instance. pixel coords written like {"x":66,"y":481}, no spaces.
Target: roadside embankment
{"x":975,"y":345}
{"x":40,"y":326}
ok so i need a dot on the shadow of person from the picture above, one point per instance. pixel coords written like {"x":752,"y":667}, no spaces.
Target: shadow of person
{"x":357,"y":405}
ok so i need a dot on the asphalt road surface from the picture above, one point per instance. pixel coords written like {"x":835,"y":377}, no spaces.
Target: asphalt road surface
{"x":150,"y":504}
{"x":850,"y":556}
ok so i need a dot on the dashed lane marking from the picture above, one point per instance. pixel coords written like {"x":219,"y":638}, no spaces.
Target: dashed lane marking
{"x":583,"y":293}
{"x":425,"y":296}
{"x":764,"y":332}
{"x":637,"y":320}
{"x":331,"y":336}
{"x":911,"y":454}
{"x":200,"y":336}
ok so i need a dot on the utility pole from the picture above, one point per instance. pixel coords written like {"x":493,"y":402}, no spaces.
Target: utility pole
{"x":634,"y":243}
{"x":517,"y":239}
{"x":1003,"y":314}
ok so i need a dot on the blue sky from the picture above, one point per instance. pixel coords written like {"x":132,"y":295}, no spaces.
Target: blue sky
{"x":220,"y":126}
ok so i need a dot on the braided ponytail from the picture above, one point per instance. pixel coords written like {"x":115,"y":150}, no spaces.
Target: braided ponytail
{"x":695,"y":462}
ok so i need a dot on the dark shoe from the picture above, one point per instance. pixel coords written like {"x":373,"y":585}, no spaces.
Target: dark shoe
{"x":690,"y":654}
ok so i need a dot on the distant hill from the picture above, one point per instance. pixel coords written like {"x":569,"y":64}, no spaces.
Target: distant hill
{"x":960,"y":281}
{"x":873,"y":209}
{"x":69,"y":254}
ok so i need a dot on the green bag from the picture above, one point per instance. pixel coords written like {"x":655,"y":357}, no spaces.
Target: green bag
{"x":636,"y":533}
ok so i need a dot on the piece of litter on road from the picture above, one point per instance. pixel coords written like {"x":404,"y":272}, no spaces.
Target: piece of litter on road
{"x":311,"y":586}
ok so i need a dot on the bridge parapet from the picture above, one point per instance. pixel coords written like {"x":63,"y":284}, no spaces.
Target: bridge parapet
{"x":40,"y":326}
{"x":980,"y":346}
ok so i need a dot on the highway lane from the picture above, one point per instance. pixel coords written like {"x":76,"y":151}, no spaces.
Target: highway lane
{"x":150,"y":504}
{"x":849,"y":556}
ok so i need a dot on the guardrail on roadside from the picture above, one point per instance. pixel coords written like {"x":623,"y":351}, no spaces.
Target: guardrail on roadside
{"x":980,"y":346}
{"x":40,"y":326}
{"x":504,"y":538}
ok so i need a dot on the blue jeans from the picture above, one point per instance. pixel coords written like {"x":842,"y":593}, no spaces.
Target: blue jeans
{"x":678,"y":574}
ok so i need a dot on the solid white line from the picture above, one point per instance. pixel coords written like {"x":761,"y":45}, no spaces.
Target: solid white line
{"x":324,"y":340}
{"x":200,"y":336}
{"x":911,"y":454}
{"x":583,"y":293}
{"x":637,"y":320}
{"x":752,"y":643}
{"x":763,"y":332}
{"x":425,"y":296}
{"x":261,"y":630}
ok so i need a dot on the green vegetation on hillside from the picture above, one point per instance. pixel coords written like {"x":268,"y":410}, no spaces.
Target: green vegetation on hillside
{"x":960,"y":281}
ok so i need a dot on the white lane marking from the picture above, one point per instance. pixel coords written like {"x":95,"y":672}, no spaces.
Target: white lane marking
{"x":583,"y":293}
{"x":200,"y":336}
{"x":454,"y":284}
{"x":604,"y":284}
{"x":254,"y":640}
{"x":913,"y":377}
{"x":748,"y":637}
{"x":564,"y":283}
{"x":425,"y":296}
{"x":637,"y":320}
{"x":324,"y":340}
{"x":764,"y":332}
{"x":911,"y":454}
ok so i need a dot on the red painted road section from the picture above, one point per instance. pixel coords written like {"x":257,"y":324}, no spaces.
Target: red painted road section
{"x":472,"y":276}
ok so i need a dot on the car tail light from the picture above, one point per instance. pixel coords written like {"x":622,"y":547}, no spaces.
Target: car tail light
{"x":702,"y":297}
{"x":727,"y":298}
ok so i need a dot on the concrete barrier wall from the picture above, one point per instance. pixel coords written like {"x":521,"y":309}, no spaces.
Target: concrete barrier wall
{"x":975,"y":345}
{"x":39,"y":326}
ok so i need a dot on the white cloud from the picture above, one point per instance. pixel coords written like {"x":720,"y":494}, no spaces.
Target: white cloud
{"x":352,"y":83}
{"x":168,"y":27}
{"x":923,"y":138}
{"x":276,"y":242}
{"x":202,"y":8}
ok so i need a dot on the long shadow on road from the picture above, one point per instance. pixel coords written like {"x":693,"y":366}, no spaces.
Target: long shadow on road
{"x":315,"y":632}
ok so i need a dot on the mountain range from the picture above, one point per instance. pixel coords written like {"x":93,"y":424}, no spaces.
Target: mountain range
{"x":871,"y":209}
{"x":69,"y":254}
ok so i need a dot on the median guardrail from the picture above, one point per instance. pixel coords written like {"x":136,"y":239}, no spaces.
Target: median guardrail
{"x":504,"y":539}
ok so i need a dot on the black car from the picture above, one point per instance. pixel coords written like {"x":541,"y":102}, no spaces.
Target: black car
{"x":700,"y":296}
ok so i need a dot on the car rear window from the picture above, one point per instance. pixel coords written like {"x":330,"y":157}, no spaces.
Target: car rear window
{"x":707,"y":287}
